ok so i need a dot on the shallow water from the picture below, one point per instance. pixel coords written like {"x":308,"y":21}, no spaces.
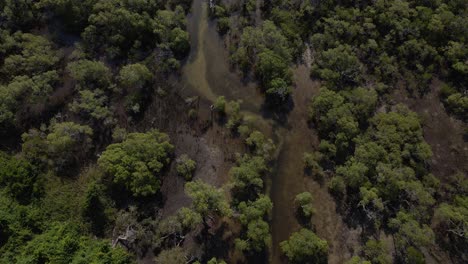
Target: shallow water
{"x":207,"y":73}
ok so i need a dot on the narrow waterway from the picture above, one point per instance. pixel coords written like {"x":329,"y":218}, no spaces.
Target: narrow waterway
{"x":207,"y":74}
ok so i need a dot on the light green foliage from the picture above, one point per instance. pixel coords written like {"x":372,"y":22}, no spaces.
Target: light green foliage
{"x":273,"y":72}
{"x":90,"y":74}
{"x":137,"y":162}
{"x":67,"y":142}
{"x":93,"y":103}
{"x":453,"y":217}
{"x":206,"y":199}
{"x":256,"y":40}
{"x":186,"y":167}
{"x":458,"y":104}
{"x":220,"y":104}
{"x":258,"y":237}
{"x":261,"y":145}
{"x":337,"y":119}
{"x":305,"y":246}
{"x":337,"y":186}
{"x":250,"y":211}
{"x":410,"y":232}
{"x":248,"y":174}
{"x":376,"y":252}
{"x":27,"y":74}
{"x":179,"y":42}
{"x":175,"y":255}
{"x":63,"y":243}
{"x":234,"y":114}
{"x":189,"y":218}
{"x":216,"y":261}
{"x":312,"y":163}
{"x":135,"y":77}
{"x":34,"y":55}
{"x":357,"y":260}
{"x":303,"y":202}
{"x":370,"y":202}
{"x":25,"y":90}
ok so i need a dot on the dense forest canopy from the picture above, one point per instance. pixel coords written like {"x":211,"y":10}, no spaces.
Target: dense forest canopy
{"x":108,"y":156}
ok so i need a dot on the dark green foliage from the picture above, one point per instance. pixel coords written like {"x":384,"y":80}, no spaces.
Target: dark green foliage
{"x":137,"y":162}
{"x":266,"y":50}
{"x":90,"y":74}
{"x":338,"y":67}
{"x":305,"y":247}
{"x":63,"y":243}
{"x":19,"y":178}
{"x":73,"y":14}
{"x":120,"y":29}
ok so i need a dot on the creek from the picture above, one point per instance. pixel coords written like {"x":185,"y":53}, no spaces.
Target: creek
{"x":207,"y":73}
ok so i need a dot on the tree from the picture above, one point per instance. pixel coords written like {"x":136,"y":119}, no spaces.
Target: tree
{"x":90,"y":75}
{"x":252,"y":210}
{"x":261,"y":145}
{"x":220,"y":104}
{"x":453,"y":217}
{"x":186,"y":167}
{"x":175,"y":255}
{"x":248,"y":174}
{"x":19,"y":178}
{"x":63,"y":243}
{"x":338,"y":67}
{"x":311,"y":163}
{"x":93,"y":104}
{"x":303,"y":202}
{"x":375,"y":251}
{"x":137,"y":162}
{"x":206,"y":199}
{"x":189,"y":218}
{"x":274,"y":75}
{"x":34,"y":55}
{"x":410,"y":232}
{"x":258,"y":236}
{"x":67,"y":143}
{"x":135,"y":77}
{"x":179,"y":42}
{"x":305,"y":247}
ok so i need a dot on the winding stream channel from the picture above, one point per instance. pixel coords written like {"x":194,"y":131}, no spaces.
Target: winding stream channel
{"x":207,"y":73}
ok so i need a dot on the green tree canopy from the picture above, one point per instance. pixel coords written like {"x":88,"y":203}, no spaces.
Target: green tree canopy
{"x":305,"y":246}
{"x":137,"y":162}
{"x":206,"y":199}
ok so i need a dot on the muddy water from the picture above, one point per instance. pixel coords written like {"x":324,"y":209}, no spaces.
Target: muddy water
{"x":207,"y":74}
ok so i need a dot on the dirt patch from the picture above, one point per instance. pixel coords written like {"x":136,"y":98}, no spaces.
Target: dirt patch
{"x":443,"y":132}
